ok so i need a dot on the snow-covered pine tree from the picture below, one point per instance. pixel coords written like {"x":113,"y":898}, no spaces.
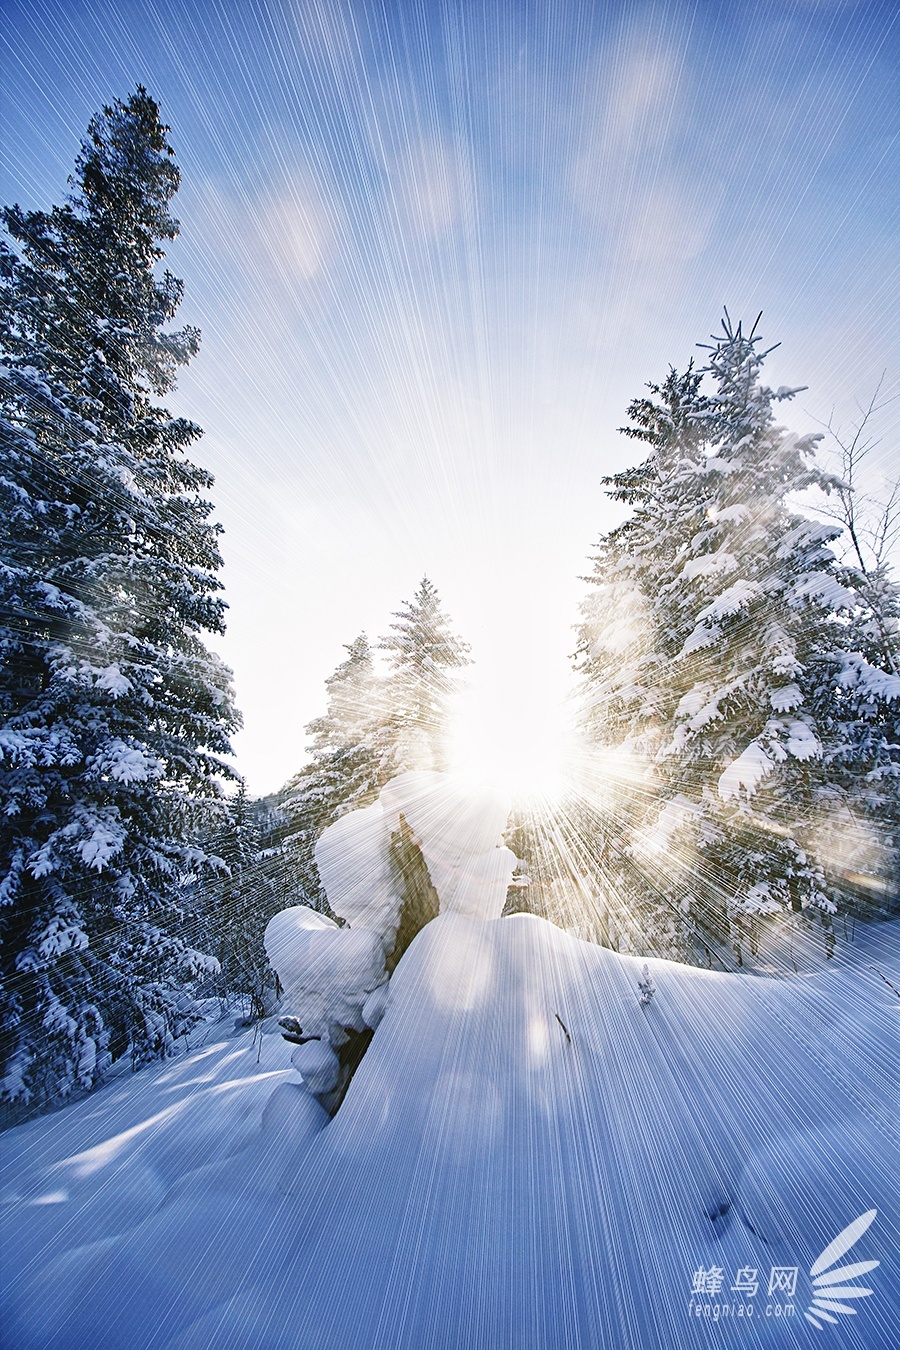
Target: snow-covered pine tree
{"x":374,"y":727}
{"x":626,"y":642}
{"x":628,"y":637}
{"x":114,"y":714}
{"x":344,"y":743}
{"x":735,"y":607}
{"x":347,"y":757}
{"x":424,"y":653}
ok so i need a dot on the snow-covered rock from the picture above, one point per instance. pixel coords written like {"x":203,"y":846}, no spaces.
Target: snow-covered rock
{"x":375,"y":1005}
{"x":354,"y":867}
{"x":318,"y":1066}
{"x":327,"y":972}
{"x":293,"y":1114}
{"x":475,"y":885}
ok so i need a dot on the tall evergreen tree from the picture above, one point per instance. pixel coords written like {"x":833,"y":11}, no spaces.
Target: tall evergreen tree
{"x":710,"y":649}
{"x":375,"y":726}
{"x":114,"y":714}
{"x":346,"y":743}
{"x":424,"y":653}
{"x":346,"y":766}
{"x":627,"y":638}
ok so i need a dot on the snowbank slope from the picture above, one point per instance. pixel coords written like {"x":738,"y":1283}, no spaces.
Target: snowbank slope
{"x":526,"y":1158}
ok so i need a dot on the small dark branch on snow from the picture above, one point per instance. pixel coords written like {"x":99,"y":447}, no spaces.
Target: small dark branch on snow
{"x":886,"y":980}
{"x":647,"y":987}
{"x":564,"y":1027}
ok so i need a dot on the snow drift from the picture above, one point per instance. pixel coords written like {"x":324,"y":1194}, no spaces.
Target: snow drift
{"x":527,"y":1158}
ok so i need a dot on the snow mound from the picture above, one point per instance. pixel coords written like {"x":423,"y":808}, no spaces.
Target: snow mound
{"x":318,"y":1066}
{"x":354,"y":867}
{"x":457,"y":827}
{"x":455,"y":818}
{"x":329,"y":973}
{"x":474,"y":886}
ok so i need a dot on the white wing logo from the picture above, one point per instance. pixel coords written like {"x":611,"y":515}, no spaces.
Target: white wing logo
{"x":831,"y":1285}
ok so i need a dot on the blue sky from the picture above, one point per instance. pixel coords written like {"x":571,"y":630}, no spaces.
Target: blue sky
{"x":435,"y":249}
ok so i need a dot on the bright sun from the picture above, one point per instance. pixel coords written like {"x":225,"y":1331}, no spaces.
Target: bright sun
{"x":507,"y":737}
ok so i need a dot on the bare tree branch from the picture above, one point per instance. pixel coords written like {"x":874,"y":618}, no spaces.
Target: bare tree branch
{"x":871,"y":523}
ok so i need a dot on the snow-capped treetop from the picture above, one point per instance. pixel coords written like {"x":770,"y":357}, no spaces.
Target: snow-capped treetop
{"x":424,"y":653}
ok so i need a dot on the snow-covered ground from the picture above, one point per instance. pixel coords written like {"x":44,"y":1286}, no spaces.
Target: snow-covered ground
{"x":526,"y":1158}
